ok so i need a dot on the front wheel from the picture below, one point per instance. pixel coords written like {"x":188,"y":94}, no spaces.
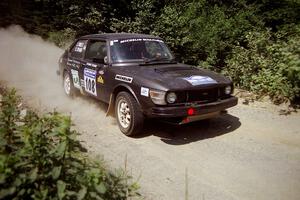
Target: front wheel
{"x":129,"y":115}
{"x":68,"y":85}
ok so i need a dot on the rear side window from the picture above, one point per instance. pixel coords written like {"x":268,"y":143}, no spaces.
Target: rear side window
{"x":78,"y":49}
{"x":96,"y":49}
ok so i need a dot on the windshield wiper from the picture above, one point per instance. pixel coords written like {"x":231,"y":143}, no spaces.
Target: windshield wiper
{"x":158,"y":60}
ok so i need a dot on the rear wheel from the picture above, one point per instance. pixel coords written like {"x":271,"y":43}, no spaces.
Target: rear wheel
{"x":68,"y":85}
{"x":129,"y":115}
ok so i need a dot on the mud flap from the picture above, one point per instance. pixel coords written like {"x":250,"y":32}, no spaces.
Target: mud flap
{"x":110,"y":109}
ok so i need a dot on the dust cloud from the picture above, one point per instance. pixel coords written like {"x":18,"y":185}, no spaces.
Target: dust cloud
{"x":29,"y":63}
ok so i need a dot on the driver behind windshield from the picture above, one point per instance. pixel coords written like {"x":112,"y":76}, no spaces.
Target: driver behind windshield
{"x":139,"y":51}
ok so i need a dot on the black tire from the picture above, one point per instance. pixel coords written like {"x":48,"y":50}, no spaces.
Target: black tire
{"x":136,"y":123}
{"x":72,"y":90}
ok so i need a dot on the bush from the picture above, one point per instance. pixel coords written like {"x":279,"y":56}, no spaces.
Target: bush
{"x":269,"y":64}
{"x":205,"y":31}
{"x":62,"y":38}
{"x":40,"y":158}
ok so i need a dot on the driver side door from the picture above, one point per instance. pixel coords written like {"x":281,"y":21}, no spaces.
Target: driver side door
{"x":94,"y":68}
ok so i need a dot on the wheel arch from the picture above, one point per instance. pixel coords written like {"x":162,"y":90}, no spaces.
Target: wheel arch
{"x":119,"y":88}
{"x":64,"y":70}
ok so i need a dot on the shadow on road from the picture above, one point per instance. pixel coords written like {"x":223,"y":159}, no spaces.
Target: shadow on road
{"x":184,"y":134}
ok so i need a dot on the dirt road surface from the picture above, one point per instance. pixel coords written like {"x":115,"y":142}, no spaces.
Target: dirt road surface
{"x":249,"y":153}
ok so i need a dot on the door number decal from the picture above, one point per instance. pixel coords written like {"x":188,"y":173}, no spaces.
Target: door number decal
{"x":90,"y":81}
{"x":75,"y":78}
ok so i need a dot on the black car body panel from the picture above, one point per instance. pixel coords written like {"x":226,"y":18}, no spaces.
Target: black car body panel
{"x":194,"y":87}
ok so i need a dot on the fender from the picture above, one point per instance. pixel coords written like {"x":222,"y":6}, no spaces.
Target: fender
{"x":110,"y":109}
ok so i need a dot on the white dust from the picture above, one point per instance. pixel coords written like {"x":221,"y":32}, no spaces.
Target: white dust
{"x":29,"y":63}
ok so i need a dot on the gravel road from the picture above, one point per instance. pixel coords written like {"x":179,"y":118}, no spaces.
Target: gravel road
{"x":250,"y":153}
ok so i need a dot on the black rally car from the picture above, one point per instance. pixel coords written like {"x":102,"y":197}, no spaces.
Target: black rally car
{"x":139,"y":78}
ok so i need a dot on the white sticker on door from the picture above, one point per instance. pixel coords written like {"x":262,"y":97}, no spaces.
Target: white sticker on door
{"x":75,"y":78}
{"x":145,"y":91}
{"x":90,"y":81}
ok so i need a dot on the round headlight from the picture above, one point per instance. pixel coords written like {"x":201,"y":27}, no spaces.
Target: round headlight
{"x":171,"y":97}
{"x":227,"y":89}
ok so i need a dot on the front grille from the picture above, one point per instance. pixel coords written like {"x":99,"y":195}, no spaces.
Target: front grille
{"x":203,"y":95}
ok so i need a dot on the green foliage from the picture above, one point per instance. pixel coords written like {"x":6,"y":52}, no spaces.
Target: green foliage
{"x":204,"y":31}
{"x":211,"y":33}
{"x":279,"y":13}
{"x":8,"y":115}
{"x":86,"y":17}
{"x":62,"y":38}
{"x":269,"y":65}
{"x":143,"y":19}
{"x":40,"y":158}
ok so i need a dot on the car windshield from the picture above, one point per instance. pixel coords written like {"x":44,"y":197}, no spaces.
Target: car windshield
{"x":139,"y":49}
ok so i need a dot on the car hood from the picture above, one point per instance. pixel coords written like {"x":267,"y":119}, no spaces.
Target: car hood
{"x":174,"y":76}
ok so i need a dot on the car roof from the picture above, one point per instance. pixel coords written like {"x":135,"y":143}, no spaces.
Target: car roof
{"x":117,"y":36}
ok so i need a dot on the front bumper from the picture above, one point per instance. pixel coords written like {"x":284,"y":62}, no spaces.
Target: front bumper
{"x":199,"y":109}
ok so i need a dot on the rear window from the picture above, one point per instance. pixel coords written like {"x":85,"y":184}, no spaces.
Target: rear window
{"x":78,"y":49}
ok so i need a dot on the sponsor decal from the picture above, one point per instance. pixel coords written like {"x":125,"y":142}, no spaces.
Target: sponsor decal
{"x":126,"y":79}
{"x":140,"y":39}
{"x":69,"y":62}
{"x":91,"y":64}
{"x":73,"y":63}
{"x":90,"y":81}
{"x":100,"y":80}
{"x":80,"y":44}
{"x":200,"y":80}
{"x":111,"y":43}
{"x":145,"y":91}
{"x":78,"y":49}
{"x":75,"y":78}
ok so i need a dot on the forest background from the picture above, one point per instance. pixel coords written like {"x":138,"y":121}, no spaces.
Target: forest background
{"x":255,"y":43}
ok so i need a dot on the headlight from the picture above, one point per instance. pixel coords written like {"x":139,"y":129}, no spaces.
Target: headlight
{"x":158,"y":97}
{"x":227,"y":89}
{"x":171,"y":97}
